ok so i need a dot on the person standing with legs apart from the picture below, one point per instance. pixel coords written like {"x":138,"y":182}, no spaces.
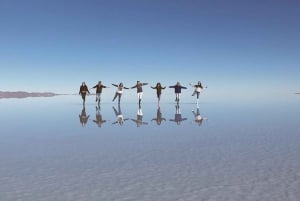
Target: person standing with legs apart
{"x":198,"y":89}
{"x":99,"y":88}
{"x":119,"y":91}
{"x":177,"y":91}
{"x":83,"y":91}
{"x":158,"y":88}
{"x":139,"y":90}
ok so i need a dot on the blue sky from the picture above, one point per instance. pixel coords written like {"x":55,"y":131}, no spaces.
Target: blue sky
{"x":243,"y":49}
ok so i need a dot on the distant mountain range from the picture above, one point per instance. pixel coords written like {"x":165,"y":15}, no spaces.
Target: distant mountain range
{"x":23,"y":94}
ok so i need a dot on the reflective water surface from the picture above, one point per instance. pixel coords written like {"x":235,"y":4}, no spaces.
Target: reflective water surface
{"x":57,"y":149}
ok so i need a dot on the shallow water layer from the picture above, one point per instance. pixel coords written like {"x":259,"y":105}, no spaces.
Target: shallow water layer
{"x":56,"y":149}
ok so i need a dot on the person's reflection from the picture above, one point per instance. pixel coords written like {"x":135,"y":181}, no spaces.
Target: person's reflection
{"x":83,"y":118}
{"x":159,"y":117}
{"x":139,"y":118}
{"x":178,"y":119}
{"x":198,"y":118}
{"x":119,"y":115}
{"x":99,"y":121}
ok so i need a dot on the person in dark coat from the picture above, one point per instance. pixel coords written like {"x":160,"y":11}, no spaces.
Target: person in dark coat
{"x":83,"y":91}
{"x":139,"y":89}
{"x":83,"y":117}
{"x":177,"y":88}
{"x":158,"y":88}
{"x":99,"y":88}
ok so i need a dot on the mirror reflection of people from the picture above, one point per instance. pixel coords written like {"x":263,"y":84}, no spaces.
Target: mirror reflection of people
{"x":159,"y":117}
{"x":198,"y":89}
{"x":99,"y":88}
{"x":178,"y":118}
{"x":139,"y":118}
{"x":83,"y":117}
{"x":139,"y":90}
{"x":177,"y":89}
{"x":119,"y":115}
{"x":83,"y":90}
{"x":99,"y":120}
{"x":158,"y":88}
{"x":119,"y":91}
{"x":198,"y":118}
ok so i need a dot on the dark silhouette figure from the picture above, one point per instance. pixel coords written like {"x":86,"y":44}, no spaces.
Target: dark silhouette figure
{"x":158,"y":88}
{"x":119,"y":91}
{"x":99,"y":120}
{"x":159,"y":117}
{"x":177,"y":89}
{"x":139,"y":118}
{"x":83,"y":117}
{"x":178,"y":118}
{"x":119,"y":115}
{"x":139,"y":90}
{"x":83,"y":90}
{"x":99,"y":88}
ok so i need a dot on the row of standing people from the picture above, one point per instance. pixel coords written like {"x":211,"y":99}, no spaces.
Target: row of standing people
{"x":139,"y":86}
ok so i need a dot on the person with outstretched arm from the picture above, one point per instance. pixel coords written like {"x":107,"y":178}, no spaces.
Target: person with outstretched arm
{"x":177,"y":89}
{"x":198,"y":89}
{"x":139,"y":89}
{"x":99,"y":88}
{"x":119,"y":91}
{"x":83,"y":91}
{"x":158,"y":88}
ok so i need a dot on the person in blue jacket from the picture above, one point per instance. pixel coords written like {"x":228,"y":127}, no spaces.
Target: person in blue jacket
{"x":177,"y":88}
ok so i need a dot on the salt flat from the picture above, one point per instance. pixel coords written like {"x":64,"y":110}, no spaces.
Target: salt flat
{"x":238,"y":152}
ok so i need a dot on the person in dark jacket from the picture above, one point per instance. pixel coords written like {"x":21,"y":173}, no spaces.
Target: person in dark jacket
{"x":99,"y":88}
{"x":139,"y":90}
{"x":177,"y":90}
{"x":178,"y":118}
{"x":83,"y":91}
{"x":119,"y":91}
{"x":158,"y":88}
{"x":159,"y":117}
{"x":83,"y":117}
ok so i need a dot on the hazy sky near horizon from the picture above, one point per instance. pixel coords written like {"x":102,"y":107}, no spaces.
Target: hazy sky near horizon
{"x":240,"y":48}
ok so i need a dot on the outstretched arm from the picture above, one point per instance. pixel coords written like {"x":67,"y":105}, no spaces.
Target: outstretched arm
{"x":115,"y":85}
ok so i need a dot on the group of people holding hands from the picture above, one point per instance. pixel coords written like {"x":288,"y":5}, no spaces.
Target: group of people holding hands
{"x":139,"y":87}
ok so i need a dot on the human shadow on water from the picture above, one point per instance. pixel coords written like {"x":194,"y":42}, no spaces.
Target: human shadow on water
{"x":198,"y":118}
{"x":178,"y":118}
{"x":159,"y":117}
{"x":119,"y":115}
{"x":99,"y":120}
{"x":139,"y":117}
{"x":83,"y":117}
